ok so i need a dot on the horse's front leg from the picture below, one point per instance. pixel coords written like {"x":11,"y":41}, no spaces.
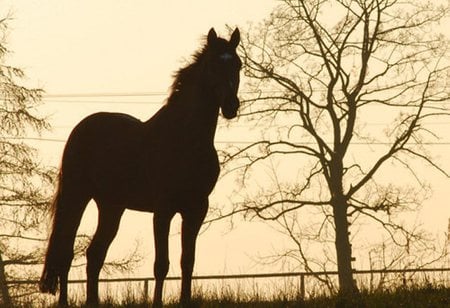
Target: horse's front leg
{"x":63,"y":278}
{"x":161,"y":228}
{"x":192,"y":221}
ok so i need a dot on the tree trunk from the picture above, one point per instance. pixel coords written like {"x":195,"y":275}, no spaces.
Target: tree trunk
{"x":5,"y":297}
{"x":347,"y":285}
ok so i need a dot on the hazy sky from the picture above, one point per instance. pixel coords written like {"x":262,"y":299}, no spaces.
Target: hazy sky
{"x":95,"y":46}
{"x":85,"y":46}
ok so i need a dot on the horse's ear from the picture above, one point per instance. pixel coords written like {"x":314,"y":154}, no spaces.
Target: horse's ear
{"x":212,"y":36}
{"x":235,"y":38}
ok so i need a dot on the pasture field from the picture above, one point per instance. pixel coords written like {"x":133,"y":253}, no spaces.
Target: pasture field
{"x":427,"y":296}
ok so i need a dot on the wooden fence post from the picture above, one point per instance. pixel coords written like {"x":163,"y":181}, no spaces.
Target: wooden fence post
{"x":5,"y":297}
{"x":146,"y":289}
{"x":302,"y":286}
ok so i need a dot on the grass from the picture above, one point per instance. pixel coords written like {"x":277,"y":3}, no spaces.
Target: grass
{"x":415,"y":297}
{"x":412,"y":297}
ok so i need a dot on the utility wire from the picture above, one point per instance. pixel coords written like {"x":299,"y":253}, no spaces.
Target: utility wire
{"x":104,"y":94}
{"x":240,"y":141}
{"x":107,"y":102}
{"x":152,"y":94}
{"x":86,"y":98}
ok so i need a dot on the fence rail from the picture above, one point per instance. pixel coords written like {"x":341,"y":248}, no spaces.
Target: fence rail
{"x":301,"y":275}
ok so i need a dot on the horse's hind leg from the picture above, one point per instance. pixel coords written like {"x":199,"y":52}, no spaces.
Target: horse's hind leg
{"x":108,"y":224}
{"x":69,"y":208}
{"x":67,"y":242}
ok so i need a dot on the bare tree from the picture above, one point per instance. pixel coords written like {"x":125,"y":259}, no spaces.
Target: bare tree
{"x":318,"y":73}
{"x":26,"y":186}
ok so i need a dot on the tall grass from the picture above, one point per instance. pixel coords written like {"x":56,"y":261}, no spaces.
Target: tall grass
{"x":412,"y":296}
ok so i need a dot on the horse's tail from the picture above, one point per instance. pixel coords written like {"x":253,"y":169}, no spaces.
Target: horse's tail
{"x":67,"y":208}
{"x":49,"y":278}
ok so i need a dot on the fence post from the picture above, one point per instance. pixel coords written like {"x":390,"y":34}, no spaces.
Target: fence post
{"x":302,"y":286}
{"x":146,"y":289}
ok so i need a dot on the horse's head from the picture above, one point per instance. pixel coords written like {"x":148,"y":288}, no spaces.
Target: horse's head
{"x":223,"y":68}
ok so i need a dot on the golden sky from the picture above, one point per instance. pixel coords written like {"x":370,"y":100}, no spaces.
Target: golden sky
{"x":104,"y":46}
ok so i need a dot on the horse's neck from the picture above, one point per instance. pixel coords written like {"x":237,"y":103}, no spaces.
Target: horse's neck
{"x":191,"y":117}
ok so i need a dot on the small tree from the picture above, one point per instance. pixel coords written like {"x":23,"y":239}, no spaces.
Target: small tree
{"x":321,"y":70}
{"x":24,"y":184}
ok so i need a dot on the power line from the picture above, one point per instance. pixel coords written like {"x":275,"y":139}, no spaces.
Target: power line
{"x":103,"y":94}
{"x":161,"y":102}
{"x":240,"y":141}
{"x":156,"y":93}
{"x":65,"y":127}
{"x":131,"y":94}
{"x":107,"y":102}
{"x":86,"y":98}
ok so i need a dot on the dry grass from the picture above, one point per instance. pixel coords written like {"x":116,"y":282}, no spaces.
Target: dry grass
{"x":418,"y":296}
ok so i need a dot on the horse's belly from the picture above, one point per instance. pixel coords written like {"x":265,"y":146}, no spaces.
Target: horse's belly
{"x":192,"y":182}
{"x":122,"y":186}
{"x":164,"y":182}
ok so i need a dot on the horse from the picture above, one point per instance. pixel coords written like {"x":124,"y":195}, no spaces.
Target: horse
{"x":165,"y":165}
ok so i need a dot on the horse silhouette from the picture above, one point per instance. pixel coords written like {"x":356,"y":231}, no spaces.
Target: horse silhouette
{"x":165,"y":165}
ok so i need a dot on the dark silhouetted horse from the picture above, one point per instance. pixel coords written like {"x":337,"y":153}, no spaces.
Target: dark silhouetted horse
{"x":166,"y":165}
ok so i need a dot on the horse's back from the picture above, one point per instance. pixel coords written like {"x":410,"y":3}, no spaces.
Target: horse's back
{"x":105,"y":152}
{"x":104,"y":133}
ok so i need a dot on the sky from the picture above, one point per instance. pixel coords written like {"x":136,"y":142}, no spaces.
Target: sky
{"x":73,"y":48}
{"x":125,"y":47}
{"x":95,"y":46}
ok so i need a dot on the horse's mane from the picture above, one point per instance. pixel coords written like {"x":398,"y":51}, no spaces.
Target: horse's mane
{"x":185,"y":77}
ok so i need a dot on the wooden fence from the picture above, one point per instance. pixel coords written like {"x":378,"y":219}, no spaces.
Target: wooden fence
{"x":301,"y":276}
